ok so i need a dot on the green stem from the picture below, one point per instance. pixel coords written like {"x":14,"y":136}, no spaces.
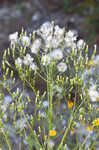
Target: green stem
{"x":50,"y":97}
{"x":36,"y":142}
{"x":65,"y":134}
{"x":81,"y":147}
{"x":41,"y":76}
{"x":8,"y":143}
{"x":94,"y":141}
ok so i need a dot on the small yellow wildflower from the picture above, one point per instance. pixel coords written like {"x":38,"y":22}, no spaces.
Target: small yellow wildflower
{"x":89,"y":128}
{"x":72,"y":131}
{"x":52,"y":132}
{"x":70,"y":104}
{"x":91,"y":63}
{"x":96,"y":122}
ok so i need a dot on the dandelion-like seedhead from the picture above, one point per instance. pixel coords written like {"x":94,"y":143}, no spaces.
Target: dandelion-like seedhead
{"x":93,"y":93}
{"x":48,"y":44}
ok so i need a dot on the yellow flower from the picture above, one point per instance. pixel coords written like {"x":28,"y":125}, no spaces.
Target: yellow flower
{"x":96,"y":122}
{"x":52,"y":132}
{"x":91,"y":63}
{"x":72,"y":131}
{"x":89,"y":128}
{"x":70,"y":104}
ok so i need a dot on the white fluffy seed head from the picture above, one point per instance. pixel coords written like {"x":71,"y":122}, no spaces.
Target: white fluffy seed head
{"x":62,"y":67}
{"x":35,"y":47}
{"x":25,"y":41}
{"x":13,"y":37}
{"x":27,"y":59}
{"x":80,"y":44}
{"x":56,"y":54}
{"x":93,"y":94}
{"x":18,"y":61}
{"x":46,"y":29}
{"x":33,"y":66}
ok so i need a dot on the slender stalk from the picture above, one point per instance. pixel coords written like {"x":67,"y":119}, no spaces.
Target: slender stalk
{"x":65,"y":134}
{"x":81,"y":147}
{"x":7,"y":140}
{"x":49,"y":92}
{"x":94,"y":142}
{"x":50,"y":97}
{"x":36,"y":142}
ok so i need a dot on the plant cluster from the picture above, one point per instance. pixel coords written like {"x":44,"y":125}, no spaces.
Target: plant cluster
{"x":51,"y":87}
